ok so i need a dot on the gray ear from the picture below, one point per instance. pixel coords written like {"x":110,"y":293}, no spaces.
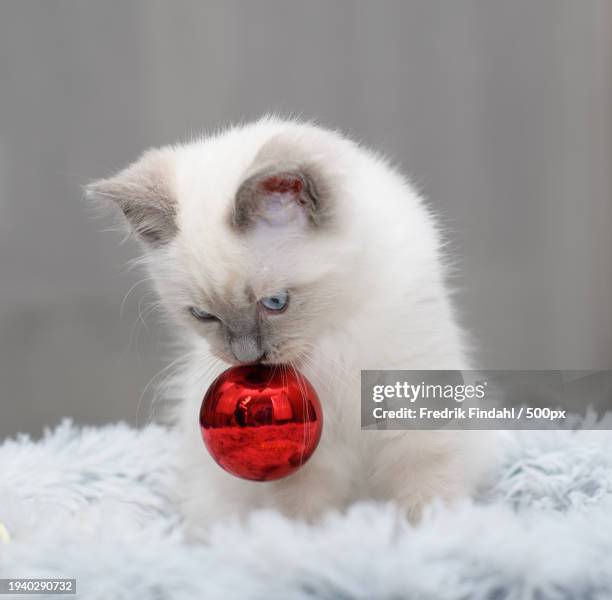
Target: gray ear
{"x":279,"y":196}
{"x":283,"y":186}
{"x":144,"y":192}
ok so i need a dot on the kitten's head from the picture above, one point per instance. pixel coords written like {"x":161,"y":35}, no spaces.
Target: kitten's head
{"x":247,"y":235}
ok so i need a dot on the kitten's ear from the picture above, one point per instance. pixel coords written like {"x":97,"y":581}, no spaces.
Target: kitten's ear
{"x":144,"y":192}
{"x":283,"y":187}
{"x":278,"y":197}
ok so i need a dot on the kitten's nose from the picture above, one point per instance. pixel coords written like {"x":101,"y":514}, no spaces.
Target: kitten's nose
{"x":246,"y":349}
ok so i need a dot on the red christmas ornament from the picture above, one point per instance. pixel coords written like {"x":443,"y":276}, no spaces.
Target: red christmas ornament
{"x":261,"y":422}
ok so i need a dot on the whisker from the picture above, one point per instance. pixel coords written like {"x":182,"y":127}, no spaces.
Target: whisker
{"x":150,"y":382}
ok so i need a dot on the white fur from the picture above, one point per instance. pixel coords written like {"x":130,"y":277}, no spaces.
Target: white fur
{"x":93,"y":503}
{"x":381,"y":302}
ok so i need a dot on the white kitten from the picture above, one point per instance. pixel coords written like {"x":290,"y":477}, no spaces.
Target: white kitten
{"x":289,"y":213}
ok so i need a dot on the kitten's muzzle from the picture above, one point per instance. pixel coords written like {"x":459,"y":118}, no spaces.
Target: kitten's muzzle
{"x":246,"y":349}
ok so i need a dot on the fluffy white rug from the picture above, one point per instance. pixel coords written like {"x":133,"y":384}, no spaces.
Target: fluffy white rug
{"x":93,"y":503}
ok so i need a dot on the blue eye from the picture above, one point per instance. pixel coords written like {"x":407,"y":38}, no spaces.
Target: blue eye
{"x":277,"y":302}
{"x":201,"y":315}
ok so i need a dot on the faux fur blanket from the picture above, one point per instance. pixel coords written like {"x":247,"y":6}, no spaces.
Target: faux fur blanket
{"x":94,"y":504}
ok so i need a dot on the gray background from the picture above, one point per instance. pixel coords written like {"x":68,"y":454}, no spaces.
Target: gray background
{"x":499,"y":110}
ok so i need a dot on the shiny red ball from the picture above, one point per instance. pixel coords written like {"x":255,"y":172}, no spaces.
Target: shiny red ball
{"x":261,"y":422}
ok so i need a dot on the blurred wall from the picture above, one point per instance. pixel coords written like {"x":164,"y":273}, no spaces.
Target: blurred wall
{"x":500,"y":111}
